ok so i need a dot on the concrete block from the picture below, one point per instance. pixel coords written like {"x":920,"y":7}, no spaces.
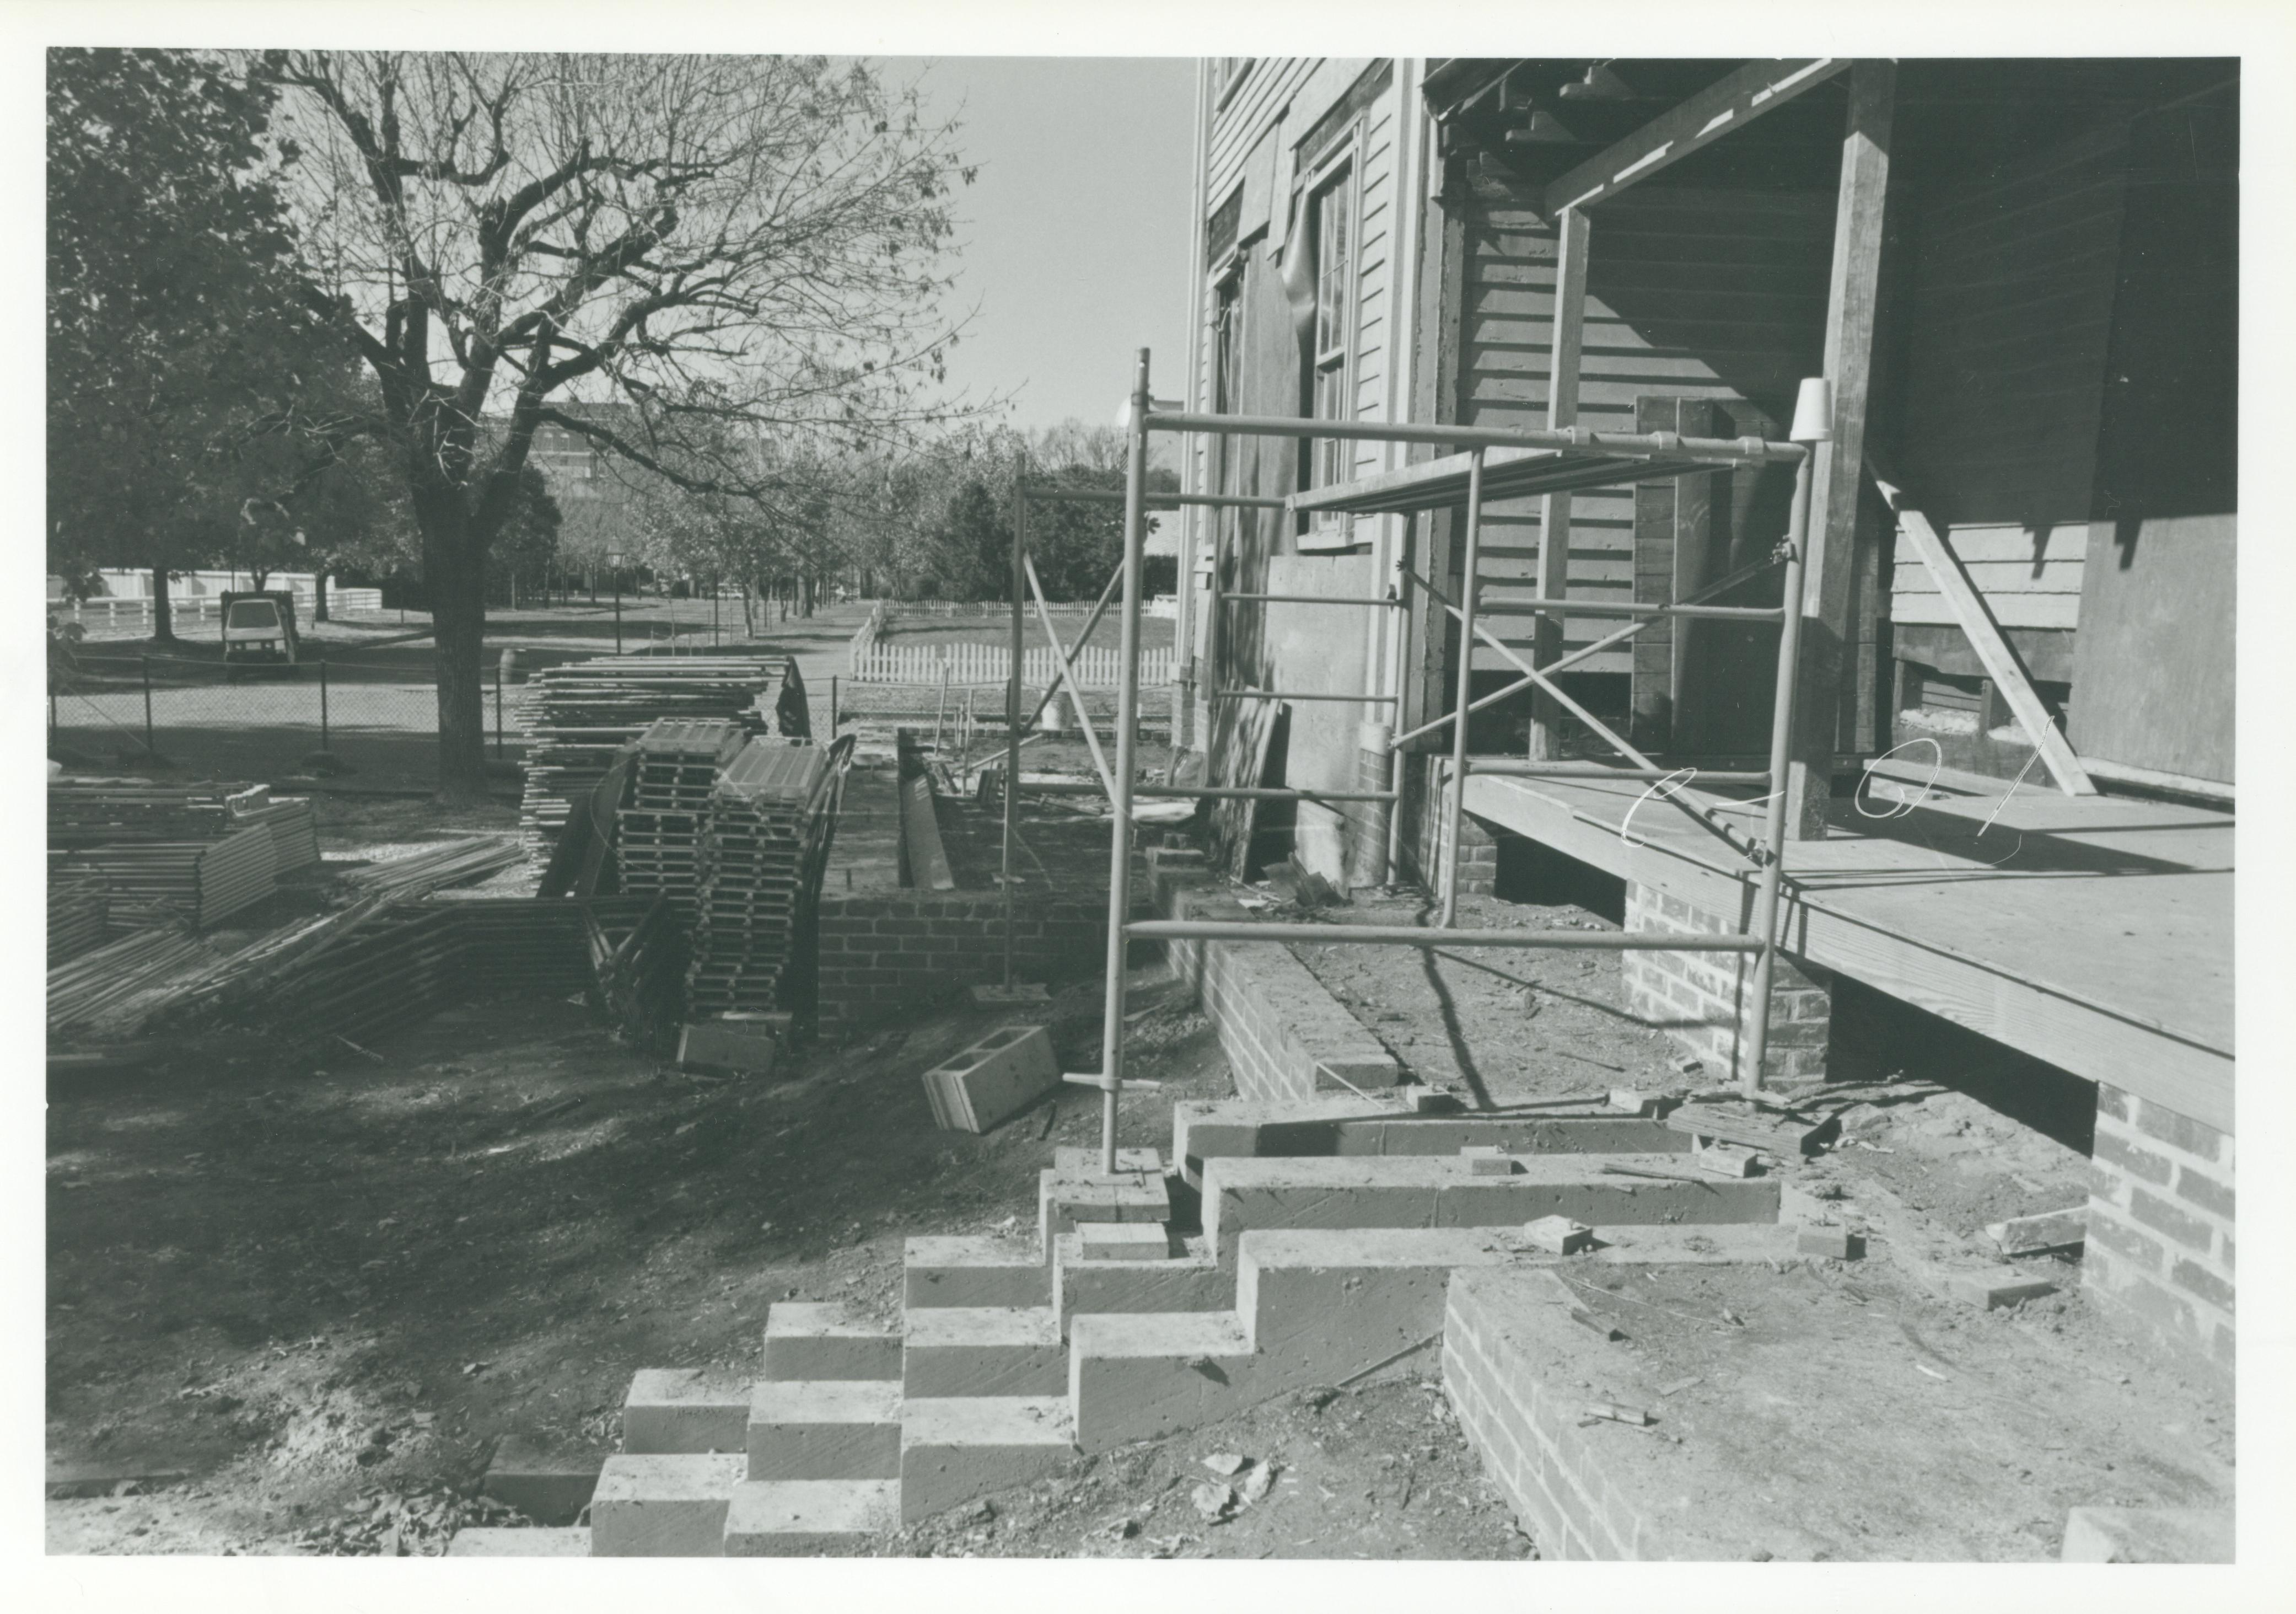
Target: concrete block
{"x":2149,"y":1535}
{"x":1989,"y":1291}
{"x":490,"y":1542}
{"x":1020,"y":994}
{"x":663,"y":1507}
{"x":2049,"y":1231}
{"x":825,"y":1428}
{"x":675,"y":1409}
{"x":736,"y":1044}
{"x":1488,"y":1160}
{"x":994,"y":1080}
{"x":548,"y":1485}
{"x":940,"y":1271}
{"x":1829,"y":1243}
{"x":1724,"y":1159}
{"x":1262,"y":1128}
{"x":1074,"y":1189}
{"x":812,"y":1341}
{"x":983,"y":1351}
{"x":1559,"y":1235}
{"x":1122,"y":1242}
{"x":810,"y":1518}
{"x":954,"y":1451}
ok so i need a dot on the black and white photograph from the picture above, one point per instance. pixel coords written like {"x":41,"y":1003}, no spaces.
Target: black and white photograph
{"x":938,"y":784}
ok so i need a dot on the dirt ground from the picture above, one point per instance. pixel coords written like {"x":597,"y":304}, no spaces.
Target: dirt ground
{"x":323,"y":1293}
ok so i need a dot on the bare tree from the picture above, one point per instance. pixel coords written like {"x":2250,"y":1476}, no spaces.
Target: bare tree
{"x":705,"y":241}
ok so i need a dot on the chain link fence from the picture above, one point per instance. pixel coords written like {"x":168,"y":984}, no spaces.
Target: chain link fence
{"x":375,"y":716}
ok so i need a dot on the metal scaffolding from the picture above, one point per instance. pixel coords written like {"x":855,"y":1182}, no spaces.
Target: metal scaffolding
{"x":1488,"y":465}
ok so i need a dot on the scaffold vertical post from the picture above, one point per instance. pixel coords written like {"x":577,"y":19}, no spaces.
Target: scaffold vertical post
{"x":1810,"y":426}
{"x":1013,"y":699}
{"x":1456,"y":804}
{"x":1127,"y":711}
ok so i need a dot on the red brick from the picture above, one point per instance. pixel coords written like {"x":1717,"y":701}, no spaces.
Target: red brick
{"x":2113,"y":1150}
{"x":2197,"y":1280}
{"x":2205,"y":1192}
{"x":2125,"y":1241}
{"x":2179,"y":1224}
{"x":2201,"y":1141}
{"x":2112,"y":1101}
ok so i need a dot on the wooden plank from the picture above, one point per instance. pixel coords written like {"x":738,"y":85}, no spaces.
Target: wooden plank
{"x":1718,"y":110}
{"x":1852,"y":298}
{"x":1567,"y":329}
{"x":2058,"y":611}
{"x":2001,"y":663}
{"x":2038,"y":964}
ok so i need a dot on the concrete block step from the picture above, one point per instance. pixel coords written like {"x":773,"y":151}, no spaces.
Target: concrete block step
{"x":1430,"y":1192}
{"x":663,"y":1506}
{"x":1320,"y":1305}
{"x":549,"y":1483}
{"x":1244,"y":1128}
{"x":974,"y":1272}
{"x":1192,"y":1280}
{"x":685,"y":1409}
{"x":488,"y":1542}
{"x":810,"y":1518}
{"x":955,"y":1449}
{"x":1003,"y":1350}
{"x":825,"y":1428}
{"x":814,"y":1340}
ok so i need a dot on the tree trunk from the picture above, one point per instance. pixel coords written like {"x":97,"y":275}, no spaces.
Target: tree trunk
{"x":163,"y":618}
{"x":455,"y":567}
{"x":319,"y":595}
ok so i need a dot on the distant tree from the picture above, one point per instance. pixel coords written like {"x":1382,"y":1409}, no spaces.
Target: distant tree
{"x":749,"y":240}
{"x":975,"y":542}
{"x":190,"y":394}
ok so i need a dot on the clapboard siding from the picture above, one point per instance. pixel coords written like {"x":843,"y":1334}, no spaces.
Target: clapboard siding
{"x":1696,"y":294}
{"x":1270,"y":85}
{"x":2009,"y":314}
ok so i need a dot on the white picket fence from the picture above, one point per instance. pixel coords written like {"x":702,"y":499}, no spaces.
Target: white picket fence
{"x":112,"y":613}
{"x":1097,"y":667}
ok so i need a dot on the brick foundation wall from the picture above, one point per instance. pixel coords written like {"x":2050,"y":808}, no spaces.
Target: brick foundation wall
{"x":1426,"y":831}
{"x":1528,"y":1437}
{"x":1367,"y":823}
{"x":1284,"y":1035}
{"x":2159,"y":1246}
{"x":1694,"y":997}
{"x":888,"y":957}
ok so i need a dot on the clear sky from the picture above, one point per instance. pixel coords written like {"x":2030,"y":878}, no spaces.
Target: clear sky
{"x":1075,"y":234}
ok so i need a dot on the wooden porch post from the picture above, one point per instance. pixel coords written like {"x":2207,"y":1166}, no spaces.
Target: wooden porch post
{"x":1828,"y":631}
{"x":1554,"y":508}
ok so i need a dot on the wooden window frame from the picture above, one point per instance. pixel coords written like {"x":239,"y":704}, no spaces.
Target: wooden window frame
{"x":1339,"y":165}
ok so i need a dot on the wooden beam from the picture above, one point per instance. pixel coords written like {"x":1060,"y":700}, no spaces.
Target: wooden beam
{"x":1851,"y":299}
{"x":1715,"y":111}
{"x":1566,"y":338}
{"x":1986,"y":638}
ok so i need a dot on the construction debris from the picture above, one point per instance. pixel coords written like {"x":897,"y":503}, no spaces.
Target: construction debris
{"x":1559,"y":1235}
{"x":2037,"y":1235}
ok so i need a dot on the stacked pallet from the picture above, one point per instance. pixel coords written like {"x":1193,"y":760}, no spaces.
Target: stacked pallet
{"x":201,"y":881}
{"x":577,"y":716}
{"x":78,"y":911}
{"x":769,"y":811}
{"x":95,"y":812}
{"x":658,"y":838}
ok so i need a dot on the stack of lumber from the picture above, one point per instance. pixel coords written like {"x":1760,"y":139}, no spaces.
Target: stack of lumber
{"x":107,"y":994}
{"x":99,"y":812}
{"x":95,"y":812}
{"x":577,"y":716}
{"x":202,"y":881}
{"x":768,"y":811}
{"x":658,"y":836}
{"x":294,"y":829}
{"x":78,"y":911}
{"x":454,"y":863}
